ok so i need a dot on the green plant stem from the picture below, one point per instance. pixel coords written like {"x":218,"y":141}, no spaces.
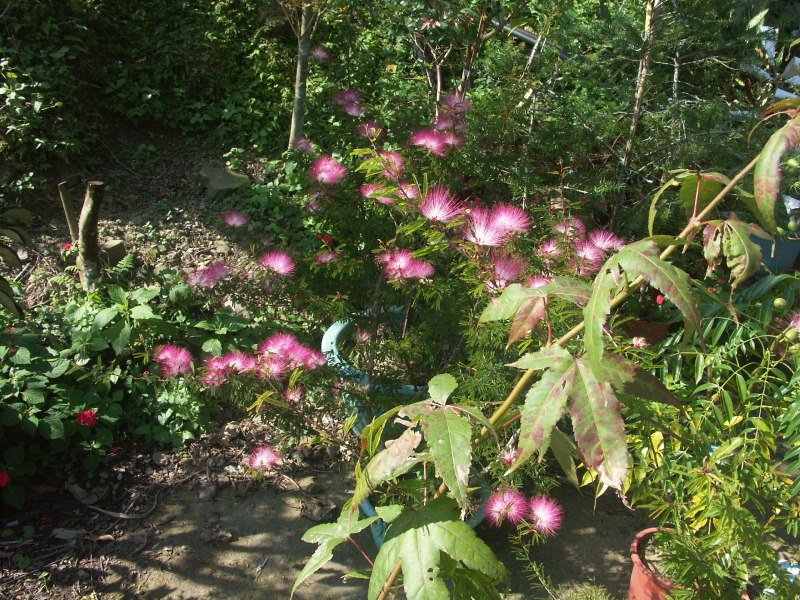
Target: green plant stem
{"x":526,"y":377}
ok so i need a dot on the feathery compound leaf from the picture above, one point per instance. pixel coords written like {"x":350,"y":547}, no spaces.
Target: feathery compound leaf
{"x":544,"y":405}
{"x":449,"y":441}
{"x":389,"y":463}
{"x":599,"y":429}
{"x":328,"y":536}
{"x":417,"y":537}
{"x":767,"y":174}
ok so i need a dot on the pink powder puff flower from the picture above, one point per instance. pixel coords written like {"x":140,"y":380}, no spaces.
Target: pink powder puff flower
{"x":272,"y":366}
{"x":368,"y":190}
{"x":304,"y":145}
{"x":506,"y":505}
{"x":443,"y":124}
{"x":239,"y":361}
{"x":493,"y":227}
{"x":209,"y":276}
{"x":303,"y":356}
{"x":794,"y":320}
{"x":265,"y":458}
{"x":538,"y":281}
{"x":354,"y":109}
{"x":393,"y":164}
{"x":173,"y":360}
{"x":320,"y":54}
{"x":371,"y":130}
{"x":639,"y":342}
{"x":401,"y":265}
{"x":546,"y":515}
{"x":278,"y":262}
{"x":430,"y":139}
{"x":235,"y":218}
{"x":294,"y":395}
{"x":278,"y":343}
{"x":327,"y":170}
{"x":510,"y":218}
{"x":326,"y":257}
{"x":440,"y":205}
{"x":408,"y":190}
{"x":605,"y":240}
{"x":509,"y":455}
{"x":456,"y":102}
{"x":88,"y":418}
{"x":572,"y":227}
{"x":507,"y":267}
{"x":350,"y":96}
{"x":451,"y":139}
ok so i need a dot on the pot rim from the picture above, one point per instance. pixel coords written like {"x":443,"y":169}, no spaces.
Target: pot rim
{"x":637,"y":556}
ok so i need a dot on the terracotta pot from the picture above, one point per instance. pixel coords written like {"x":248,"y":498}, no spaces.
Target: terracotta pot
{"x":646,"y":585}
{"x":652,"y":332}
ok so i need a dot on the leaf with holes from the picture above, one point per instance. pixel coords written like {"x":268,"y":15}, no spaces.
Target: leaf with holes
{"x":328,"y":536}
{"x":389,"y":463}
{"x":767,"y":174}
{"x":544,"y":404}
{"x":449,"y":434}
{"x":599,"y":428}
{"x":418,"y":537}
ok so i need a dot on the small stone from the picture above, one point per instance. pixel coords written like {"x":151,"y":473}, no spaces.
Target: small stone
{"x":222,"y":247}
{"x":207,"y":492}
{"x":218,"y":181}
{"x":159,"y":459}
{"x":113,"y":251}
{"x":230,"y":431}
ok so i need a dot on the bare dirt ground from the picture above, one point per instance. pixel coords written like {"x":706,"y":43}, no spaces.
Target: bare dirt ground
{"x":194,"y":525}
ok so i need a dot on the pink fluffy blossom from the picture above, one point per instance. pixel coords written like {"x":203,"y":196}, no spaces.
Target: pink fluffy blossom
{"x":506,"y":267}
{"x":371,"y":190}
{"x":546,"y":515}
{"x":371,"y":130}
{"x":304,"y":145}
{"x":440,"y":205}
{"x":431,"y":139}
{"x":265,"y":458}
{"x":393,"y":164}
{"x":279,"y":263}
{"x":327,"y":170}
{"x":290,"y":351}
{"x":572,"y":227}
{"x":235,"y":218}
{"x":239,"y":361}
{"x":354,"y":109}
{"x":589,"y":258}
{"x":209,"y":276}
{"x":401,"y":265}
{"x":295,"y":395}
{"x":605,"y":240}
{"x":326,"y":257}
{"x":350,"y":96}
{"x":538,"y":281}
{"x":320,"y":54}
{"x":409,"y":190}
{"x":173,"y":360}
{"x":493,"y":227}
{"x":506,"y":505}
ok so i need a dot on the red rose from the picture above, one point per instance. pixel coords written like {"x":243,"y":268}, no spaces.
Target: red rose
{"x":87,"y":417}
{"x":4,"y":478}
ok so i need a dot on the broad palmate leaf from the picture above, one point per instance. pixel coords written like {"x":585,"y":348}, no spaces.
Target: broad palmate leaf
{"x":544,"y":404}
{"x":449,"y":437}
{"x":418,"y":537}
{"x":767,"y":174}
{"x":598,"y":425}
{"x":328,"y":536}
{"x":731,"y":239}
{"x":637,"y":259}
{"x":387,"y":464}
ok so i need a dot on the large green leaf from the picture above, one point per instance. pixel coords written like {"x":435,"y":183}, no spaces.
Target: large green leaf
{"x":527,"y":318}
{"x":541,"y":359}
{"x":698,"y":190}
{"x":328,"y":536}
{"x":440,"y":388}
{"x":629,"y":378}
{"x":767,"y":174}
{"x":389,"y":463}
{"x":598,"y":425}
{"x":596,"y":311}
{"x":418,"y":537}
{"x":449,"y":437}
{"x":508,"y":303}
{"x":544,"y":405}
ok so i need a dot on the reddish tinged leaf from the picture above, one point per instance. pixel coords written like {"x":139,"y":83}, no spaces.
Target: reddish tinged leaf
{"x":732,"y":240}
{"x":528,"y":316}
{"x":389,"y":463}
{"x":544,"y":405}
{"x":542,"y":358}
{"x":599,"y":428}
{"x":572,"y":290}
{"x":629,"y":378}
{"x":767,"y":174}
{"x":509,"y":302}
{"x":698,"y":190}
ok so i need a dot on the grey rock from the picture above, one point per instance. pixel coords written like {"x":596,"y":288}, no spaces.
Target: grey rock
{"x":207,"y":492}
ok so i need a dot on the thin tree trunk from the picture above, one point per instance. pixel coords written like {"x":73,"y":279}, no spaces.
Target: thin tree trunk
{"x":650,"y":22}
{"x":69,"y":210}
{"x":88,"y":246}
{"x":301,"y":76}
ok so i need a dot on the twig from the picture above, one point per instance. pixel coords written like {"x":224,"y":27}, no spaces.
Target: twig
{"x":260,"y":568}
{"x":126,"y":516}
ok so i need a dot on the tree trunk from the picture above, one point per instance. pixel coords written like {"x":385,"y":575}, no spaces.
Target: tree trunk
{"x":88,"y":245}
{"x":301,"y":76}
{"x":650,"y":22}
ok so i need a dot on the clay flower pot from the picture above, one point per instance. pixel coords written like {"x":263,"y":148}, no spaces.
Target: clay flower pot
{"x":645,"y":584}
{"x":652,"y":332}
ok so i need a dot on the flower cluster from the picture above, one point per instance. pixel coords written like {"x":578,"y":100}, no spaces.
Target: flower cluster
{"x":495,"y":226}
{"x":209,"y":276}
{"x":235,"y":218}
{"x":401,"y":265}
{"x":350,"y":101}
{"x":275,"y":359}
{"x":327,"y":170}
{"x":584,"y":251}
{"x":544,"y":514}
